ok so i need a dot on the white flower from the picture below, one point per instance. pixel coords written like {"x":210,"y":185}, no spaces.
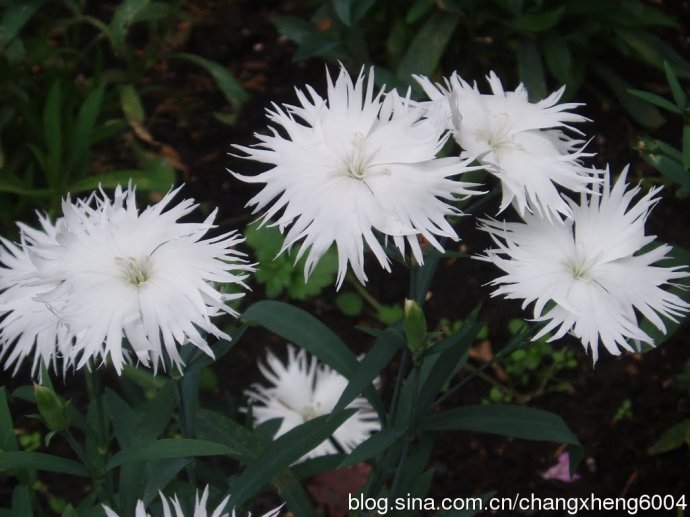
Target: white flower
{"x":199,"y":508}
{"x":351,"y":164}
{"x":28,"y":328}
{"x":303,"y":389}
{"x":520,"y":142}
{"x":589,"y":276}
{"x":120,"y":273}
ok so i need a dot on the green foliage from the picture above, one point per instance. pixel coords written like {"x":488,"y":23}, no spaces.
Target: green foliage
{"x":62,"y":142}
{"x":624,"y":411}
{"x":276,"y":270}
{"x":572,"y":43}
{"x":533,"y":370}
{"x":672,"y":163}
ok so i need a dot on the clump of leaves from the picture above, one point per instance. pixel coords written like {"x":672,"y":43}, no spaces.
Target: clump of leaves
{"x":533,"y":370}
{"x":276,"y":271}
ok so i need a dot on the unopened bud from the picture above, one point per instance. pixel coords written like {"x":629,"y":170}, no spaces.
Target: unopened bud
{"x":51,"y":408}
{"x":415,"y":326}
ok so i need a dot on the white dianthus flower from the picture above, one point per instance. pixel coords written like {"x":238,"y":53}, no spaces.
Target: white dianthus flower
{"x":521,"y":143}
{"x":28,"y":328}
{"x":117,"y":272}
{"x":589,"y":275}
{"x":303,"y":389}
{"x":173,"y":508}
{"x":351,"y":164}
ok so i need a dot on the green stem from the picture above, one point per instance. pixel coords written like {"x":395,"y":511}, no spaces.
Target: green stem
{"x":517,"y":342}
{"x":362,"y":291}
{"x":410,"y":432}
{"x":187,"y":432}
{"x":95,"y":389}
{"x":489,"y":379}
{"x":95,"y":476}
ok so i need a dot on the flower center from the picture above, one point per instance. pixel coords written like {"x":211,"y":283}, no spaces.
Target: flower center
{"x":496,"y":134}
{"x":136,"y":271}
{"x":581,"y":265}
{"x":357,"y":160}
{"x":311,"y":411}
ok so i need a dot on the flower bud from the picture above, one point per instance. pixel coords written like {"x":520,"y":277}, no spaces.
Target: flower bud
{"x":415,"y":326}
{"x":51,"y":408}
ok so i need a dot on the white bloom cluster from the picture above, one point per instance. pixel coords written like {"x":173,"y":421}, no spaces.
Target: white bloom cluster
{"x":107,"y":272}
{"x":356,"y":162}
{"x":173,"y":508}
{"x":302,"y":389}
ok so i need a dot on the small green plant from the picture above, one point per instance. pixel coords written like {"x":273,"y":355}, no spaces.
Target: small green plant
{"x":532,"y":371}
{"x":276,"y":272}
{"x":624,"y":411}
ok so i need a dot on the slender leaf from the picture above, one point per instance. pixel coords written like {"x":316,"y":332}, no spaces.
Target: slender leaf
{"x":342,"y":10}
{"x":639,"y":110}
{"x":669,"y":168}
{"x":155,"y":413}
{"x":171,"y":448}
{"x":303,"y":329}
{"x":418,"y":9}
{"x":231,"y":88}
{"x":21,"y":501}
{"x":159,"y":474}
{"x":290,"y":490}
{"x":159,"y":179}
{"x":367,"y":370}
{"x":531,"y":70}
{"x":292,"y":27}
{"x":557,"y":55}
{"x":221,"y":348}
{"x":15,"y":17}
{"x":361,"y":7}
{"x":124,"y":418}
{"x":312,"y":466}
{"x":427,"y":47}
{"x":679,"y":96}
{"x":651,"y":49}
{"x":441,"y":367}
{"x":131,"y":105}
{"x":81,"y":136}
{"x":372,"y":446}
{"x":215,"y":427}
{"x":505,"y":420}
{"x":674,"y":437}
{"x":538,"y":22}
{"x":657,"y":100}
{"x":52,"y":132}
{"x":121,"y":21}
{"x":8,"y":440}
{"x":40,"y":461}
{"x":686,"y":147}
{"x":283,"y":452}
{"x":12,"y":187}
